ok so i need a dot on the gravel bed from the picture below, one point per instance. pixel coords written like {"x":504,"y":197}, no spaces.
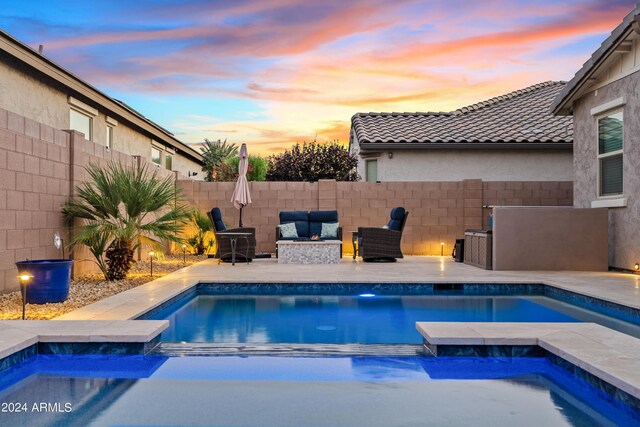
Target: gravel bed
{"x":89,"y":289}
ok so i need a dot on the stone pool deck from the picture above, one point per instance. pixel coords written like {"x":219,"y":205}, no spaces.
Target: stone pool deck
{"x":606,"y":354}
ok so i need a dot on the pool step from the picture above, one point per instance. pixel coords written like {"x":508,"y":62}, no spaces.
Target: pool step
{"x":292,"y":350}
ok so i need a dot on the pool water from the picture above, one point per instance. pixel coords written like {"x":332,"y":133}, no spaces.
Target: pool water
{"x":363,"y":319}
{"x":275,"y":391}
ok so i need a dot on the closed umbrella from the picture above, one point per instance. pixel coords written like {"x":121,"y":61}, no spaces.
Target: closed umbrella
{"x":241,"y":196}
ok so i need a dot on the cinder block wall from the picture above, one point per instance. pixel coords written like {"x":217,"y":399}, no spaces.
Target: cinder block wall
{"x":439,"y":211}
{"x":39,"y":168}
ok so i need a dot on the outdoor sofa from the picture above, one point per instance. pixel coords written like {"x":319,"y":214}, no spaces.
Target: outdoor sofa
{"x":308,"y":224}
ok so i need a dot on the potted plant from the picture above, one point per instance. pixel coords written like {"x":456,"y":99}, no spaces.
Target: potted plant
{"x":50,"y":279}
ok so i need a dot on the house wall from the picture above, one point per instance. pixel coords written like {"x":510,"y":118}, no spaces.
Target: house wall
{"x":25,"y":92}
{"x":439,"y":211}
{"x":624,"y":225}
{"x":488,"y":165}
{"x":39,"y":168}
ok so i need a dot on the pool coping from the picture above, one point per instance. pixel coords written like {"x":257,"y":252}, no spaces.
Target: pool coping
{"x":605,"y":354}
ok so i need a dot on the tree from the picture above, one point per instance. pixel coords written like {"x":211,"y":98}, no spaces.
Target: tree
{"x":214,"y":153}
{"x":122,"y":209}
{"x":311,"y":162}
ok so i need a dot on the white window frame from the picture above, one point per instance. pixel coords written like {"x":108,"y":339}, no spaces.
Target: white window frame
{"x":111,"y":127}
{"x":600,"y":157}
{"x":159,"y":148}
{"x":109,"y":136}
{"x":82,"y":113}
{"x":366,"y":170}
{"x":84,"y":109}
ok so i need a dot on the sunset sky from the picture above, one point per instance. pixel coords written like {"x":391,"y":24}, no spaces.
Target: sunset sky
{"x":274,"y":72}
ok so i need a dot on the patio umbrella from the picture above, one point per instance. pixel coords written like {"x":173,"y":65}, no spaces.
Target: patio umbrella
{"x":241,"y":196}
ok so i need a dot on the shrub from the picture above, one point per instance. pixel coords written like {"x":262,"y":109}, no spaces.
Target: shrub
{"x":311,"y":162}
{"x":122,"y":209}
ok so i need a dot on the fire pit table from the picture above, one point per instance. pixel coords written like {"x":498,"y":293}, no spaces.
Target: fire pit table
{"x":309,"y":251}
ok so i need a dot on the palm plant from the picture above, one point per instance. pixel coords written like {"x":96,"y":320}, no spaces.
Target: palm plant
{"x":202,"y":239}
{"x":214,"y":153}
{"x":121,"y":210}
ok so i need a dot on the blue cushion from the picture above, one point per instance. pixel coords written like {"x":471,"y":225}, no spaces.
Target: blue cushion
{"x":216,"y":218}
{"x":397,"y":215}
{"x":299,"y":218}
{"x":317,"y":218}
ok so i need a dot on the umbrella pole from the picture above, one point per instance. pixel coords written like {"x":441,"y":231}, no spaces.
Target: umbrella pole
{"x":241,"y":207}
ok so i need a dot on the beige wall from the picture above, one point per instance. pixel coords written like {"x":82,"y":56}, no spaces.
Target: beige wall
{"x":39,"y":167}
{"x":549,"y":238}
{"x":624,"y":225}
{"x":456,"y":165}
{"x":27,"y":94}
{"x":439,"y":211}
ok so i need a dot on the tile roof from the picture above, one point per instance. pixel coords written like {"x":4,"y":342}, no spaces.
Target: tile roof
{"x":522,"y":116}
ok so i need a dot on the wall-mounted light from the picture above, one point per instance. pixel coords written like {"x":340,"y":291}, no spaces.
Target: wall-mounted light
{"x":24,"y":280}
{"x":151,"y":255}
{"x":190,"y":174}
{"x":390,"y":154}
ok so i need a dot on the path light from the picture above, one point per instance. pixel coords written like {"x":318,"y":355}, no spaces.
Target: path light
{"x":151,"y":255}
{"x":636,"y":267}
{"x":184,"y":254}
{"x":24,"y":279}
{"x":441,"y":248}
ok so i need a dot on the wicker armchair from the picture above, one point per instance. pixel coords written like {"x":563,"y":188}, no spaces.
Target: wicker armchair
{"x":223,"y":244}
{"x":382,"y":244}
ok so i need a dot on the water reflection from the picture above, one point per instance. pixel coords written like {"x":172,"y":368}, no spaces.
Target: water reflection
{"x":337,"y":319}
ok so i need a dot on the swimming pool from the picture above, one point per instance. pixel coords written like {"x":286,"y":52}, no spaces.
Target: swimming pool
{"x":383,"y":315}
{"x":266,"y":391}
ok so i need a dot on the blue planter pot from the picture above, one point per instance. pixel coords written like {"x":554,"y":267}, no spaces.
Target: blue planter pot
{"x":50,"y":282}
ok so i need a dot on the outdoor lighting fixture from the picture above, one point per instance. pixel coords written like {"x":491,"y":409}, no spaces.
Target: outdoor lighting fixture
{"x":58,"y":242}
{"x":184,"y":254}
{"x":151,"y":254}
{"x":367,"y":295}
{"x":441,"y":248}
{"x":391,"y":154}
{"x":636,"y":267}
{"x":24,"y":279}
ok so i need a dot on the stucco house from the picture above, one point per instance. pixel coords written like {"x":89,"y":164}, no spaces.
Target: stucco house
{"x":604,"y":100}
{"x":513,"y":137}
{"x":33,"y":86}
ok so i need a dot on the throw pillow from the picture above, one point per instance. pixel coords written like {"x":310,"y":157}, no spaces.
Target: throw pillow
{"x":329,"y":230}
{"x":386,"y":227}
{"x":288,"y":231}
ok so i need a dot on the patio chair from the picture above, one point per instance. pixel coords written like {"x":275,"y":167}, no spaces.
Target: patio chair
{"x":383,"y":243}
{"x":223,"y":246}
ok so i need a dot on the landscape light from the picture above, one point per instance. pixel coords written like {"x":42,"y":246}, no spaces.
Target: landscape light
{"x":184,"y":254}
{"x":151,"y":254}
{"x":441,"y":248}
{"x":24,"y":279}
{"x":636,"y":266}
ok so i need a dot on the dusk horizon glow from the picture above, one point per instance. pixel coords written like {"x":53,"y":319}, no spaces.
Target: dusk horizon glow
{"x":271,"y":73}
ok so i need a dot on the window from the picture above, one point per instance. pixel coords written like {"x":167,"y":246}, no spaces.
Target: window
{"x":156,"y":156}
{"x":610,"y":145}
{"x":82,"y":123}
{"x":372,"y":170}
{"x":109,"y":136}
{"x":168,"y":161}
